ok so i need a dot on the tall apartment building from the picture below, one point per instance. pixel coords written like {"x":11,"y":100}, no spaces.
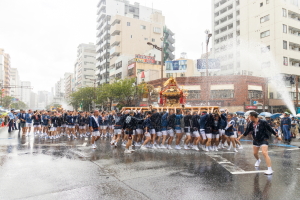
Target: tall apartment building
{"x":33,"y":101}
{"x":259,"y":38}
{"x":69,"y":84}
{"x":85,"y":66}
{"x":59,"y":90}
{"x":15,"y":82}
{"x":123,"y":30}
{"x":26,"y":92}
{"x":5,"y":71}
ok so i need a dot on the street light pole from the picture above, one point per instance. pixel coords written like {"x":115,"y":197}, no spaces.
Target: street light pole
{"x":162,"y":58}
{"x":208,"y":36}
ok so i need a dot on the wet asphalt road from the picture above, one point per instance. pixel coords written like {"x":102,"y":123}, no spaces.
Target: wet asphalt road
{"x":31,"y":168}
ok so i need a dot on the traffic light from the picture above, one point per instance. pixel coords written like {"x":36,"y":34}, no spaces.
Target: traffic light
{"x":168,"y":45}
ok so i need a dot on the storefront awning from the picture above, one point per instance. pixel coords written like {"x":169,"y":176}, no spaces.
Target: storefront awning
{"x":222,"y":87}
{"x":255,"y":87}
{"x":192,"y":87}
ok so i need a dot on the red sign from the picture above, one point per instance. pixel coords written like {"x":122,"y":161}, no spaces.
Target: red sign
{"x":143,"y":105}
{"x":251,"y":107}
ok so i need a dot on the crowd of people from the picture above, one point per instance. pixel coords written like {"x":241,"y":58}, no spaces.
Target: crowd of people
{"x":155,"y":129}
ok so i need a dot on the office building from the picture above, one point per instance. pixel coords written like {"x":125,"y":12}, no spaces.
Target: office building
{"x":85,"y":66}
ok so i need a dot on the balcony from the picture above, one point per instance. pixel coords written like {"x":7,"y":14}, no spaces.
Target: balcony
{"x":115,"y":20}
{"x":98,"y":56}
{"x":115,"y":40}
{"x":294,"y":62}
{"x":98,"y":64}
{"x":102,"y":8}
{"x":171,"y":48}
{"x":98,"y":48}
{"x":294,"y":16}
{"x":294,"y":31}
{"x":294,"y":47}
{"x":116,"y":29}
{"x":115,"y":51}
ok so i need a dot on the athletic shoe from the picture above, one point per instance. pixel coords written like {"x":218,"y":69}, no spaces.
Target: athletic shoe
{"x":153,"y":146}
{"x":185,"y":147}
{"x":203,"y":148}
{"x":94,"y":146}
{"x":163,"y":146}
{"x":157,"y":146}
{"x":112,"y":142}
{"x":257,"y":163}
{"x":177,"y":147}
{"x":229,"y":149}
{"x":206,"y":149}
{"x":240,"y":147}
{"x":127,"y":151}
{"x":169,"y":147}
{"x":216,"y":149}
{"x":124,"y":144}
{"x":132,"y":150}
{"x":69,"y":137}
{"x":269,"y":172}
{"x":195,"y":148}
{"x":143,"y":147}
{"x":138,"y":144}
{"x":234,"y":149}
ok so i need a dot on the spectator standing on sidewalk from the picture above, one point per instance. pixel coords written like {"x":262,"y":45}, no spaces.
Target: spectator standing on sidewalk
{"x":11,"y":116}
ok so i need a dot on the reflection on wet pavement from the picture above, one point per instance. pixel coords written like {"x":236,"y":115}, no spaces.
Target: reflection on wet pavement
{"x":31,"y":168}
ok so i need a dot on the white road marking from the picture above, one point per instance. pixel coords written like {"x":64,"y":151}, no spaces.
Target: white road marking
{"x":298,"y":168}
{"x":293,"y":149}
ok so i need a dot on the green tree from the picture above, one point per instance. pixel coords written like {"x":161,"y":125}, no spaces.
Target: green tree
{"x":19,"y":105}
{"x":83,"y":96}
{"x":7,"y":101}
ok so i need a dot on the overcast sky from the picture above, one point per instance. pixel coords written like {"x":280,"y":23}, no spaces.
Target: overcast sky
{"x":41,"y":36}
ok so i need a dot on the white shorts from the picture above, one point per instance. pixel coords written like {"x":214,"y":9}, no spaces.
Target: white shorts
{"x":103,"y":127}
{"x":170,"y":132}
{"x":209,"y":135}
{"x":188,"y":134}
{"x":37,"y":126}
{"x":71,"y":126}
{"x":111,"y":126}
{"x":235,"y":134}
{"x":63,"y":126}
{"x":202,"y":132}
{"x":164,"y":132}
{"x":96,"y":133}
{"x":44,"y":125}
{"x":147,"y":134}
{"x":216,"y":136}
{"x":117,"y":131}
{"x":28,"y":124}
{"x":53,"y":129}
{"x":133,"y":132}
{"x":152,"y":131}
{"x":178,"y":131}
{"x":139,"y":131}
{"x":222,"y":132}
{"x":159,"y":134}
{"x":182,"y":130}
{"x":82,"y":127}
{"x":196,"y":134}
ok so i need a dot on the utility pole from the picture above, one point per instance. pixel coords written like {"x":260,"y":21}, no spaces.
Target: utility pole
{"x":297,"y":93}
{"x":162,"y":58}
{"x":208,"y":36}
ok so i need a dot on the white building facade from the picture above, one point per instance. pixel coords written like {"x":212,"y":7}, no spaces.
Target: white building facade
{"x":85,"y":66}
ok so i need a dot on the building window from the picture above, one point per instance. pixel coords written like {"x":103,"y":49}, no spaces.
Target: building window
{"x":130,"y":36}
{"x":128,"y":23}
{"x":284,"y":44}
{"x":265,"y":18}
{"x":156,"y":30}
{"x":265,"y":49}
{"x":267,"y":1}
{"x":284,"y":27}
{"x":261,"y":4}
{"x":264,"y":34}
{"x":283,"y":12}
{"x":143,"y":27}
{"x":119,"y":65}
{"x":285,"y":61}
{"x":153,"y":40}
{"x":255,"y":94}
{"x":146,"y":38}
{"x":169,"y":75}
{"x":271,"y":95}
{"x":194,"y":94}
{"x":222,"y":94}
